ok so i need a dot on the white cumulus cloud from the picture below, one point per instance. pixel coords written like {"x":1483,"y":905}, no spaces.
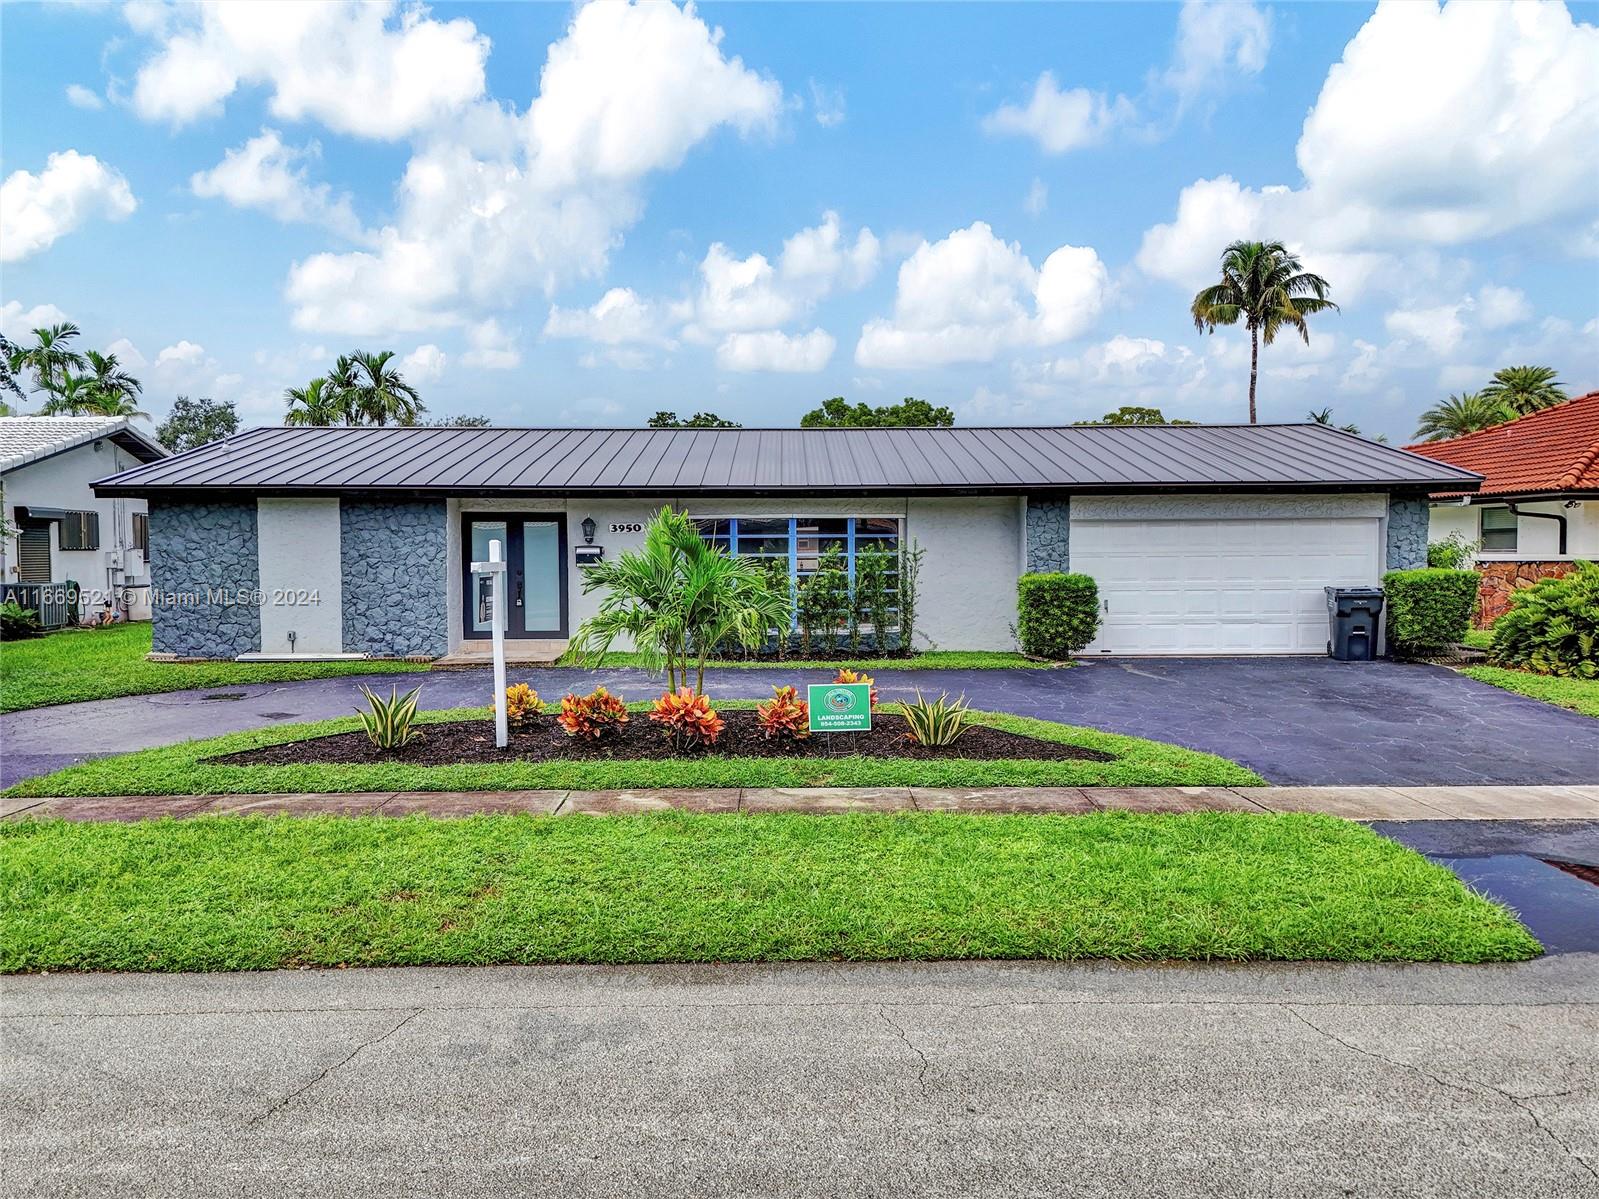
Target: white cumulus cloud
{"x":969,"y":296}
{"x":73,"y":188}
{"x":1438,"y":127}
{"x":374,"y":70}
{"x":1061,"y":120}
{"x":18,"y":323}
{"x":773,"y":350}
{"x":493,"y":348}
{"x":267,"y":174}
{"x":540,"y":199}
{"x":424,"y":364}
{"x":182,"y":353}
{"x":1216,"y":44}
{"x":620,"y":317}
{"x":81,"y":97}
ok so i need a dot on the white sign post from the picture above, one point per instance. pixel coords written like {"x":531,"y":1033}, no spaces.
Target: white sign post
{"x":495,"y":569}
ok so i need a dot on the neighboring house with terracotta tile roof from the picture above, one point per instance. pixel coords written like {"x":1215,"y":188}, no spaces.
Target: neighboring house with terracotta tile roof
{"x":1538,"y":508}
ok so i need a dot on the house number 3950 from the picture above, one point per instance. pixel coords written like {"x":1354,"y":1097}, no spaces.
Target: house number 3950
{"x":626,"y":527}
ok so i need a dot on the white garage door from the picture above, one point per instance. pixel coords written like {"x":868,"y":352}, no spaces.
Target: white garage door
{"x":1192,"y":586}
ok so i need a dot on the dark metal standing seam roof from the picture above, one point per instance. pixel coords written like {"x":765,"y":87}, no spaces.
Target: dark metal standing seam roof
{"x":670,"y":462}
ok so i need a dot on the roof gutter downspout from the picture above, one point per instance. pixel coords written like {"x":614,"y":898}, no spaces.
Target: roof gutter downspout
{"x":1554,"y":516}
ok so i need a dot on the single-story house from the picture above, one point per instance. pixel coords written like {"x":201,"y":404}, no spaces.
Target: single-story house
{"x":57,"y":530}
{"x":1206,"y":539}
{"x":1537,"y":510}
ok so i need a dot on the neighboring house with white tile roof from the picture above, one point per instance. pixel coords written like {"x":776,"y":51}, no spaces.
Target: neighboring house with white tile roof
{"x":57,"y":529}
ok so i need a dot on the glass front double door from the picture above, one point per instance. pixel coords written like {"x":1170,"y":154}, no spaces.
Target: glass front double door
{"x":534,"y":548}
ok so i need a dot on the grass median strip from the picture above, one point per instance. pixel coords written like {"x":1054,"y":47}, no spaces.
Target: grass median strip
{"x":81,"y":664}
{"x":245,"y":893}
{"x":1580,"y":695}
{"x":182,"y":769}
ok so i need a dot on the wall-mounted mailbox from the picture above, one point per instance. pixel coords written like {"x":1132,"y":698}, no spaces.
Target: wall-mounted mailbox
{"x":587,"y":555}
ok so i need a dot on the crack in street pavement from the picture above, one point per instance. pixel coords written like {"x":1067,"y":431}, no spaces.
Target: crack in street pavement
{"x":282,"y":1104}
{"x":1472,"y":1087}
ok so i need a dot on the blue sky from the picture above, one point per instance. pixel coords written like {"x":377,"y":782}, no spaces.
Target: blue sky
{"x":567,"y":215}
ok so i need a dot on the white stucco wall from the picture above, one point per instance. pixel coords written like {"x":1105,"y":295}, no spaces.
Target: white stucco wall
{"x":299,"y":543}
{"x":62,"y":481}
{"x":1536,"y":539}
{"x":968,"y":597}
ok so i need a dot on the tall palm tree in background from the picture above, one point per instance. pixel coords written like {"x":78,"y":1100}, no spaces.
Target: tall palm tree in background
{"x":49,"y":359}
{"x":1458,"y":415}
{"x":314,"y":404}
{"x":379,"y":394}
{"x":1524,"y":389}
{"x":1263,"y":286}
{"x":113,"y":388}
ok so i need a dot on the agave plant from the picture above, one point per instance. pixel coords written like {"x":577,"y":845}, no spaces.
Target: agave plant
{"x":390,"y":724}
{"x":936,"y":723}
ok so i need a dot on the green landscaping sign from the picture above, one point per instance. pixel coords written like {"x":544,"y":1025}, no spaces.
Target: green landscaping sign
{"x":840,"y":707}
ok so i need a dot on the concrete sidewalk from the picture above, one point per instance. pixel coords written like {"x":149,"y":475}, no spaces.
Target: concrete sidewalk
{"x":1354,"y":803}
{"x":942,"y":1081}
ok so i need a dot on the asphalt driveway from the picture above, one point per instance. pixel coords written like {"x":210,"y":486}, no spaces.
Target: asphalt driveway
{"x":1304,"y":721}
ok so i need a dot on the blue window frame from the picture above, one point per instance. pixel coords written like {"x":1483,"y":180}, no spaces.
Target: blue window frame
{"x":800,"y":539}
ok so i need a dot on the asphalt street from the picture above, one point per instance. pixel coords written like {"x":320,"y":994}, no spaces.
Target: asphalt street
{"x":973,"y":1079}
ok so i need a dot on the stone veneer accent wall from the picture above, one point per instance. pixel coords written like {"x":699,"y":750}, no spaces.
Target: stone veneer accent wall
{"x":1501,"y":580}
{"x":1407,"y":532}
{"x":200,"y":548}
{"x":1049,"y":528}
{"x":395,"y":561}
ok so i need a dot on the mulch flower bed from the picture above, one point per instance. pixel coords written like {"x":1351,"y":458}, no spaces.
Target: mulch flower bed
{"x":468,"y":741}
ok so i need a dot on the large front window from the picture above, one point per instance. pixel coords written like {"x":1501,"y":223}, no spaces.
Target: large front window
{"x":800,"y":541}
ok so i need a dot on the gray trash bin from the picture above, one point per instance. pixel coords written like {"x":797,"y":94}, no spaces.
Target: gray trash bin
{"x":1353,"y":614}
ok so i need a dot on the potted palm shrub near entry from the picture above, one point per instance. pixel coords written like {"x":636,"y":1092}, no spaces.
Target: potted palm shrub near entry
{"x":677,"y":598}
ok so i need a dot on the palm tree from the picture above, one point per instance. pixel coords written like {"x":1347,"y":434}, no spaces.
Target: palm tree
{"x":377,"y":393}
{"x":72,"y":395}
{"x":677,"y":598}
{"x":105,"y":403}
{"x":1524,"y":389}
{"x":314,"y":404}
{"x":1461,"y":414}
{"x":1262,"y":285}
{"x":113,"y":386}
{"x":341,"y":383}
{"x":1325,"y":417}
{"x":49,"y":358}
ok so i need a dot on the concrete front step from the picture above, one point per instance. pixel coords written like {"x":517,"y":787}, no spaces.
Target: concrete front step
{"x":518,"y":652}
{"x":1355,"y":803}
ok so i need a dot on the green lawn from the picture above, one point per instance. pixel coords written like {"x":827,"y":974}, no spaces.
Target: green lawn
{"x":1478,"y":638}
{"x":178,"y":770}
{"x":1580,"y":695}
{"x":251,"y":893}
{"x":933,"y":659}
{"x":78,"y":664}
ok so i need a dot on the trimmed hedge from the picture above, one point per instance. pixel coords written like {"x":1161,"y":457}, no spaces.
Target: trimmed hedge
{"x":1428,"y":609}
{"x":1057,"y":614}
{"x":1553,"y":626}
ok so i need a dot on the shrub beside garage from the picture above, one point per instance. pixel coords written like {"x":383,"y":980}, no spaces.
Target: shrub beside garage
{"x":1428,"y":610}
{"x":1057,"y":613}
